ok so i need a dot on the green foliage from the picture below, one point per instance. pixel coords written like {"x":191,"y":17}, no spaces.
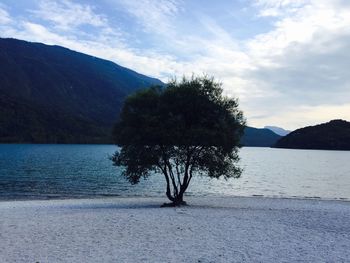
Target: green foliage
{"x":187,"y":128}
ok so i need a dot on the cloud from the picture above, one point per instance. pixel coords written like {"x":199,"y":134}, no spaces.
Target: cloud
{"x":277,"y":8}
{"x":301,"y":63}
{"x":153,"y":16}
{"x":67,"y":15}
{"x":4,"y":16}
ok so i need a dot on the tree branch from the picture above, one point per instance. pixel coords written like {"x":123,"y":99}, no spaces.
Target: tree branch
{"x":166,"y":175}
{"x":172,"y":177}
{"x":178,"y":172}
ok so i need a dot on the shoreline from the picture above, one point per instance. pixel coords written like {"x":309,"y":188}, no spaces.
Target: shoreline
{"x":96,"y":197}
{"x":209,"y":229}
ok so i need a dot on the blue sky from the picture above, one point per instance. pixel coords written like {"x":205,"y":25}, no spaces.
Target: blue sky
{"x":286,"y":60}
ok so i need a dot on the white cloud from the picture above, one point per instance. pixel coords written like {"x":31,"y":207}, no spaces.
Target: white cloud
{"x":68,"y":15}
{"x":277,"y":8}
{"x":4,"y":16}
{"x":153,"y":16}
{"x":302,"y":62}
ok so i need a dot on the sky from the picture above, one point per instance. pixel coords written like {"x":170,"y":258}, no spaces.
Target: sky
{"x":287,"y":61}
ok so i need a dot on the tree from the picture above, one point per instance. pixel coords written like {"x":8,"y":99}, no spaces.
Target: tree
{"x":185,"y":128}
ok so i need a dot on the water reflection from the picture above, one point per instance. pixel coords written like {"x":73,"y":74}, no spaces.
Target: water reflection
{"x":51,"y":171}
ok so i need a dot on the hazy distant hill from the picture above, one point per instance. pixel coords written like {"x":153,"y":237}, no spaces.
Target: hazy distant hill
{"x":53,"y":94}
{"x":259,"y":137}
{"x":278,"y":130}
{"x":333,"y":135}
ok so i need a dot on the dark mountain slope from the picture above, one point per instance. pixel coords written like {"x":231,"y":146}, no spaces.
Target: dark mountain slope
{"x":53,"y":94}
{"x":333,"y":135}
{"x":21,"y":122}
{"x":259,"y":137}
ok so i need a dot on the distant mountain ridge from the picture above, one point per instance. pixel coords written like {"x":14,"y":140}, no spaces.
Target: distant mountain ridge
{"x":50,"y":94}
{"x":333,"y":135}
{"x":278,"y":130}
{"x":259,"y":137}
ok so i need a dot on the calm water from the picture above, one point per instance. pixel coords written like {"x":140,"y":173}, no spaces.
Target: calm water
{"x":60,"y":171}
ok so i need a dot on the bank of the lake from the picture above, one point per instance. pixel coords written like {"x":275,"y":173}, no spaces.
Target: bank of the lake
{"x":211,"y":229}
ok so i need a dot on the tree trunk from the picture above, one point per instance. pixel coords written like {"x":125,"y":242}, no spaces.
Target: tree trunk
{"x":176,"y":197}
{"x":175,"y":201}
{"x":179,"y":200}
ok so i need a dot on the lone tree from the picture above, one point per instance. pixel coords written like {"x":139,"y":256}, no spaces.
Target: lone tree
{"x":185,"y":128}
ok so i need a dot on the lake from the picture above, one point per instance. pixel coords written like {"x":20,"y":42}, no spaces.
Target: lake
{"x":34,"y":171}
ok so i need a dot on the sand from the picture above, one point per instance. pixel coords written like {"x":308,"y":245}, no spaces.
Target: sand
{"x":222,"y":229}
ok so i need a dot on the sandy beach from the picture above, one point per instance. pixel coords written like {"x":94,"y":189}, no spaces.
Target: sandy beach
{"x":227,"y":229}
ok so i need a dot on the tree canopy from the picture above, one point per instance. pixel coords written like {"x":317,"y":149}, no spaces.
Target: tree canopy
{"x":183,"y":129}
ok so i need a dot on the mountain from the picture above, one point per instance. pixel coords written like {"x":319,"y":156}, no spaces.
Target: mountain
{"x":50,"y":94}
{"x":259,"y":137}
{"x":277,"y":130}
{"x":333,"y":135}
